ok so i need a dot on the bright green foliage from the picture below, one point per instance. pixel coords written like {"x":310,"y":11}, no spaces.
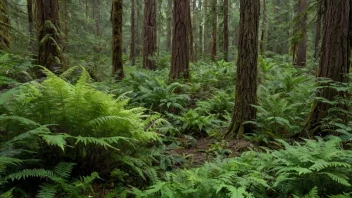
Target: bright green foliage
{"x":317,"y":167}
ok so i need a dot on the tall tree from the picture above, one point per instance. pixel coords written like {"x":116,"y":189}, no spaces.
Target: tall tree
{"x":139,"y":28}
{"x":116,"y":17}
{"x":96,"y":8}
{"x":300,"y":43}
{"x":335,"y":58}
{"x":206,"y":34}
{"x":200,"y":29}
{"x":264,"y":20}
{"x":133,"y":33}
{"x":30,"y":23}
{"x":180,"y":40}
{"x":49,"y":34}
{"x":246,"y":88}
{"x":194,"y":30}
{"x":226,"y":30}
{"x":320,"y":7}
{"x":150,"y":39}
{"x":169,"y":24}
{"x":4,"y":26}
{"x":214,"y":28}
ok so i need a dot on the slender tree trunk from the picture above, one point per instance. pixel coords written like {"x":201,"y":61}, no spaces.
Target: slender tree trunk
{"x":66,"y":17}
{"x":87,"y":9}
{"x":246,"y":88}
{"x":180,"y":40}
{"x":97,"y":17}
{"x":190,"y":34}
{"x":335,"y":59}
{"x":116,"y":16}
{"x":194,"y":30}
{"x":206,"y":44}
{"x":139,"y":28}
{"x":200,"y":30}
{"x":133,"y":33}
{"x":5,"y":41}
{"x":300,"y":58}
{"x":262,"y":37}
{"x":318,"y":29}
{"x":214,"y":26}
{"x":30,"y":24}
{"x":169,"y":24}
{"x":49,"y":35}
{"x":150,"y":37}
{"x":226,"y":30}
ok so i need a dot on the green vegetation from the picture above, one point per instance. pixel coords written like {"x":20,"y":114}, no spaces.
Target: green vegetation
{"x":103,"y":105}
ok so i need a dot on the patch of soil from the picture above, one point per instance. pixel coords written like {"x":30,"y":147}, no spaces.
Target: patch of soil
{"x":203,"y":150}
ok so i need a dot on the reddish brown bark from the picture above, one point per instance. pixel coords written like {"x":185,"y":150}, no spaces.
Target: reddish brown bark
{"x":150,"y":39}
{"x":116,"y":16}
{"x":180,"y":40}
{"x":335,"y":58}
{"x":246,"y":88}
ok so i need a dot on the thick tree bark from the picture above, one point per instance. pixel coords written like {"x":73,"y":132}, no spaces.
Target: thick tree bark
{"x":116,"y":16}
{"x":180,"y":40}
{"x":133,"y":33}
{"x":169,"y":26}
{"x":262,"y":37}
{"x":200,"y":31}
{"x":335,"y":59}
{"x":320,"y":8}
{"x":300,"y":52}
{"x":226,"y":30}
{"x":214,"y":29}
{"x":150,"y":39}
{"x":246,"y":88}
{"x":49,"y":34}
{"x":5,"y":41}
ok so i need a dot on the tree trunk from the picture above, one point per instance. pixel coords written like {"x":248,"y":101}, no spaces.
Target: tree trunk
{"x":318,"y":29}
{"x":226,"y":30}
{"x":200,"y":31}
{"x":206,"y":30}
{"x":139,"y":28}
{"x":133,"y":33}
{"x":116,"y":16}
{"x":300,"y":57}
{"x":150,"y":39}
{"x":214,"y":26}
{"x":262,"y":37}
{"x":169,"y":24}
{"x":194,"y":30}
{"x":246,"y":88}
{"x":96,"y":14}
{"x":335,"y":59}
{"x":5,"y":41}
{"x":180,"y":40}
{"x":190,"y":34}
{"x":30,"y":24}
{"x":49,"y":34}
